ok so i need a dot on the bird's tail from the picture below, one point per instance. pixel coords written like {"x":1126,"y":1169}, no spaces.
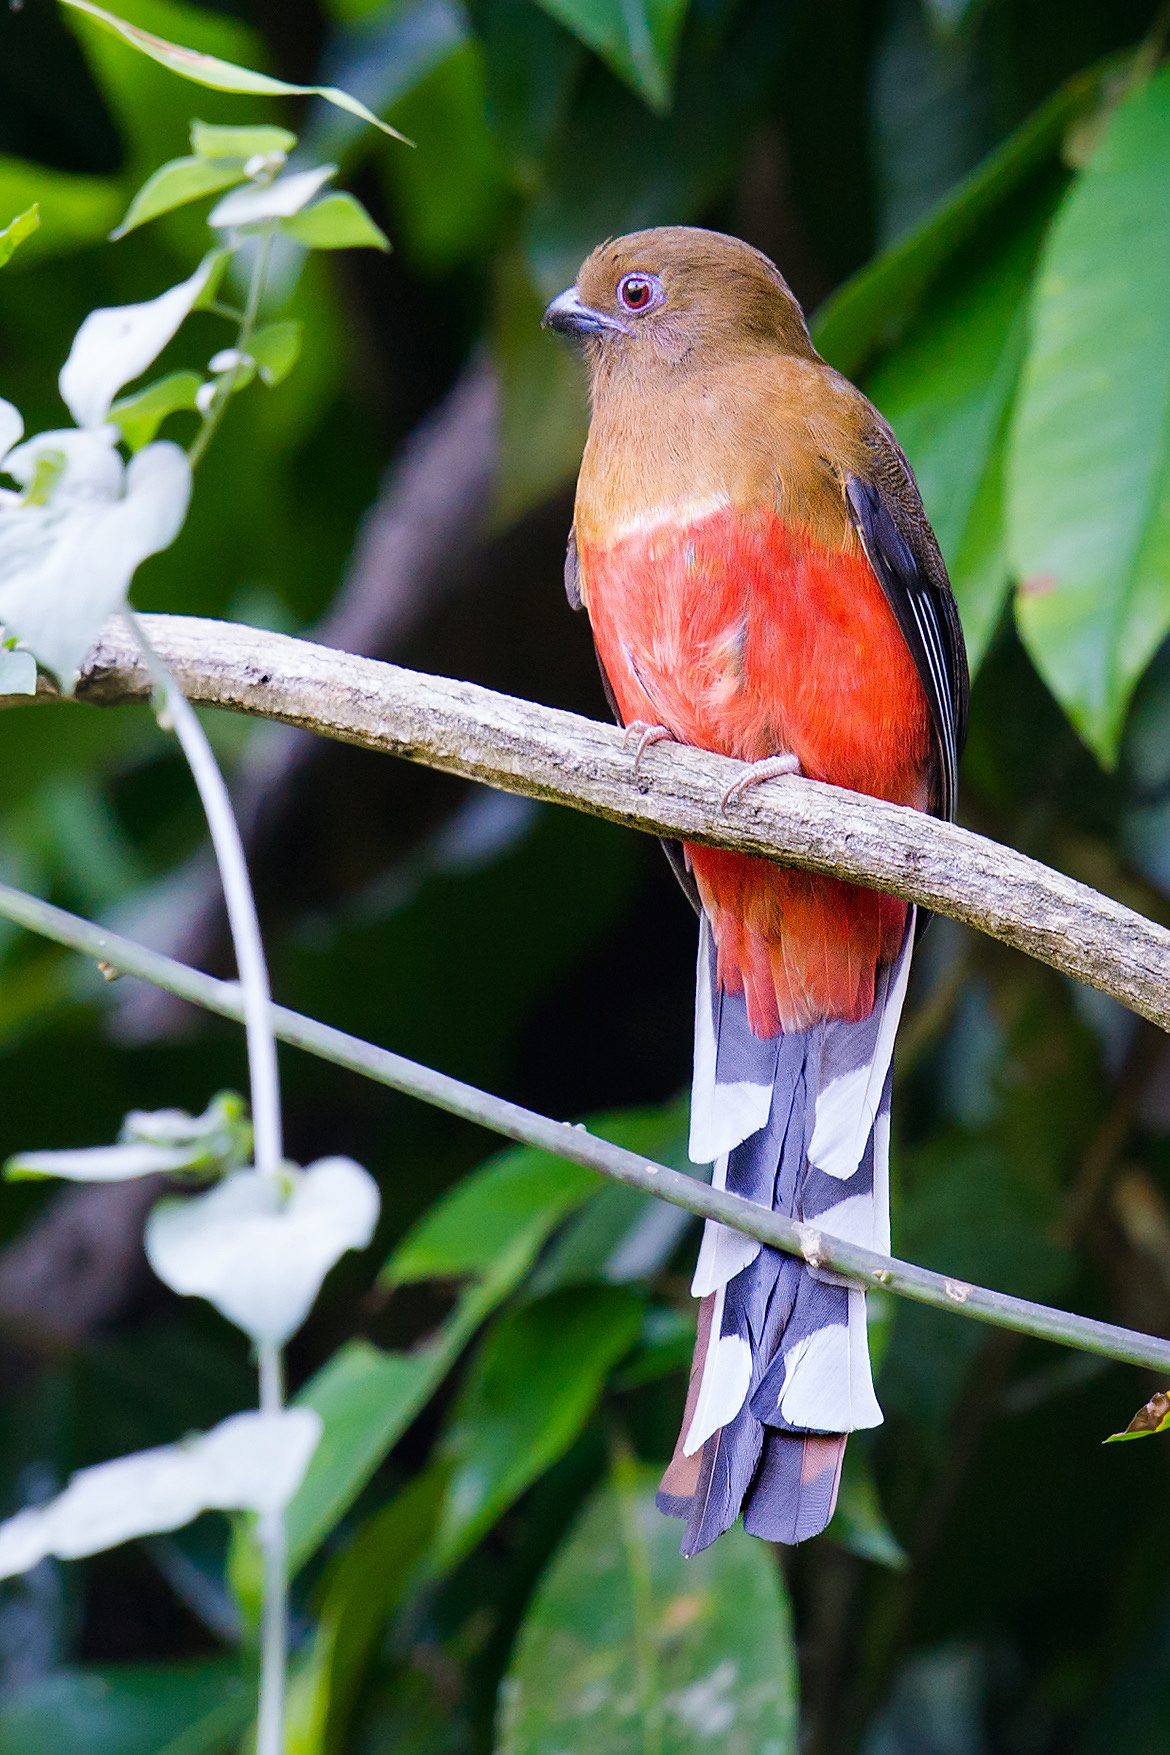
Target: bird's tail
{"x":799,"y":1124}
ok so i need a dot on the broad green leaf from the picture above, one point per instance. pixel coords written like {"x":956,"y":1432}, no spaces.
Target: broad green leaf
{"x":627,"y":1648}
{"x":176,"y":183}
{"x":872,"y":310}
{"x":946,"y":390}
{"x":368,"y":1398}
{"x":158,"y":1709}
{"x":220,"y":75}
{"x":139,"y":416}
{"x":530,"y":1389}
{"x":1154,"y":1417}
{"x":73,"y":210}
{"x":212,"y":140}
{"x":621,"y":1235}
{"x":1088,"y":470}
{"x":336,"y":222}
{"x":360,"y":1592}
{"x":637,"y":39}
{"x":859,"y":1523}
{"x":514,"y":1201}
{"x":275,"y":349}
{"x":17,"y":230}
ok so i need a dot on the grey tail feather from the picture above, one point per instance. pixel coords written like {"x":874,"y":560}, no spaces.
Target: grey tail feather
{"x":781,"y":1367}
{"x":794,"y":1493}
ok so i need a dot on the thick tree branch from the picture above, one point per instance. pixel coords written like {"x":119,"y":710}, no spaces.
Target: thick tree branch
{"x":549,"y":754}
{"x":577,"y":1144}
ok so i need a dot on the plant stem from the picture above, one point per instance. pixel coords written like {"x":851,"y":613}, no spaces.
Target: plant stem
{"x":241,"y":907}
{"x":274,"y":1612}
{"x":264,"y":1080}
{"x":227,"y":383}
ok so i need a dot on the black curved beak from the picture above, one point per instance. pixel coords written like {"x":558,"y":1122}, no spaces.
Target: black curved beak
{"x":568,"y":316}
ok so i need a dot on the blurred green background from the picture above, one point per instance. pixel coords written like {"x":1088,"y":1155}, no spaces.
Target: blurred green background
{"x":974,"y":199}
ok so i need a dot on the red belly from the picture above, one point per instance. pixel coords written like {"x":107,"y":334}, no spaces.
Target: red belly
{"x":740,"y":635}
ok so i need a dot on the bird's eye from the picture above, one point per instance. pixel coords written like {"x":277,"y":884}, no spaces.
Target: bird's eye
{"x":639,"y":292}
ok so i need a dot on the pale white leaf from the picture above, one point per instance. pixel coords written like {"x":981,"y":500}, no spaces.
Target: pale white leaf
{"x":250,"y":1462}
{"x":21,"y":1542}
{"x":11,"y":427}
{"x":99,"y":1163}
{"x":258,"y":1247}
{"x":18,"y":672}
{"x":68,"y":554}
{"x":115,"y":345}
{"x":255,"y":1461}
{"x":278,"y":200}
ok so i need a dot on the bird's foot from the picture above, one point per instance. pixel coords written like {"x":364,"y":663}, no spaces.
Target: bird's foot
{"x":640,"y":736}
{"x":771,"y":768}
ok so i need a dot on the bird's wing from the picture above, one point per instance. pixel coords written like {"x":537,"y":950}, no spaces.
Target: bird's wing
{"x":887,"y":512}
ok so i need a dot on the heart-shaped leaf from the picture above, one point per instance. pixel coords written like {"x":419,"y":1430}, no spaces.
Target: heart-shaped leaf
{"x":258,"y":1247}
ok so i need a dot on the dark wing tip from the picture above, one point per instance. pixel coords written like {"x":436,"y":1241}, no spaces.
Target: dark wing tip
{"x":893,"y":532}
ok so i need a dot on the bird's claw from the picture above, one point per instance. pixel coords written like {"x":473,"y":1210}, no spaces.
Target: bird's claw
{"x":771,"y":768}
{"x":640,"y":736}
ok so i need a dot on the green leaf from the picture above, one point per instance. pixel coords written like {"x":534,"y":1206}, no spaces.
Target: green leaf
{"x":18,"y":671}
{"x":637,"y":39}
{"x":212,"y":141}
{"x":859,"y":1523}
{"x":1088,"y":472}
{"x":947,"y":392}
{"x":533,"y":1384}
{"x":361,"y":1590}
{"x":1154,"y":1417}
{"x":367,"y":1398}
{"x":17,"y":230}
{"x":220,"y":75}
{"x":160,"y":1709}
{"x":336,"y":222}
{"x":140,"y":416}
{"x":173,"y":185}
{"x":275,"y":349}
{"x":73,"y":210}
{"x":627,"y":1648}
{"x":512,"y":1203}
{"x":872,"y":310}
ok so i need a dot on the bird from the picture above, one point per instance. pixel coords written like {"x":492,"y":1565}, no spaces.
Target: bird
{"x":761,"y":580}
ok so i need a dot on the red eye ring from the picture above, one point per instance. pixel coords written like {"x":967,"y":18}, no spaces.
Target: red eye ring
{"x":638,"y":293}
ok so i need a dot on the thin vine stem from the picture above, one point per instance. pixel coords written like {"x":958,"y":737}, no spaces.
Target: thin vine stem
{"x":274,"y":1612}
{"x":264,"y":1079}
{"x":224,"y":389}
{"x":256,"y":993}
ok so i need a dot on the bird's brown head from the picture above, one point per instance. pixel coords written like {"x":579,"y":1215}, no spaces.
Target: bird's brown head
{"x":675,"y":295}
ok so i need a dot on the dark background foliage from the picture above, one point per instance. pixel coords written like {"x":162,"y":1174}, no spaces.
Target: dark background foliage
{"x":407,"y":493}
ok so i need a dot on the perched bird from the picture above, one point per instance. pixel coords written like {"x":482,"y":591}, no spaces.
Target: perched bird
{"x":761,"y":580}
